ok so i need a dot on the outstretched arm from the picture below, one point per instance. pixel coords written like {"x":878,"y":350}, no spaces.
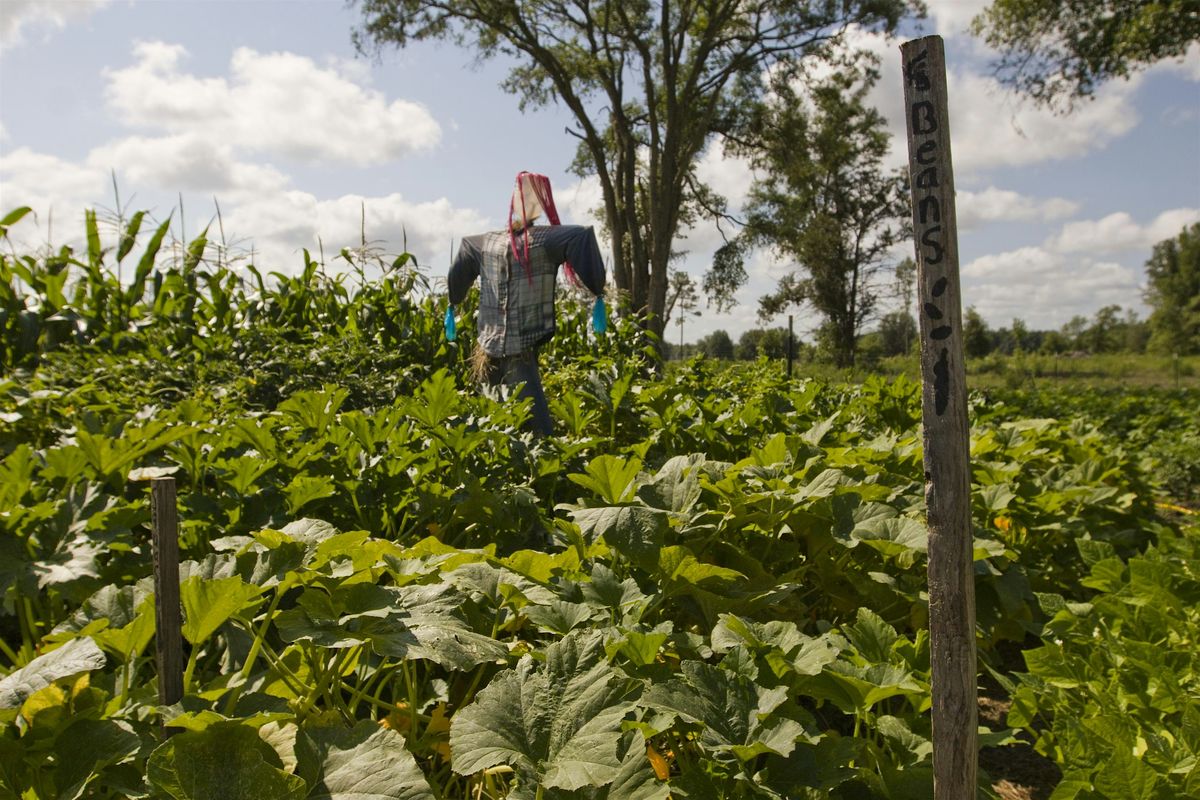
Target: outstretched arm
{"x":464,"y":270}
{"x":577,"y":244}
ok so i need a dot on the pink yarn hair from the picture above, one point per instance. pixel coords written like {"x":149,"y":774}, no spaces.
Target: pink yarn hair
{"x":545,"y":198}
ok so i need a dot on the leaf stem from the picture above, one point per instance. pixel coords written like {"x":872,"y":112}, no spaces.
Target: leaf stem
{"x":256,"y":647}
{"x":191,"y":668}
{"x":9,"y":654}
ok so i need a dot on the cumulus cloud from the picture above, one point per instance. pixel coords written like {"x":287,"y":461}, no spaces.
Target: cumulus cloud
{"x":1187,"y":65}
{"x":1045,"y":288}
{"x":259,"y":206}
{"x":49,"y":185}
{"x":992,"y":126}
{"x":282,"y":224}
{"x":275,"y":103}
{"x":581,"y":202}
{"x":729,"y":176}
{"x":1002,"y":205}
{"x":1119,"y":232}
{"x":1071,"y":273}
{"x":953,"y":17}
{"x":22,"y":15}
{"x":186,"y":162}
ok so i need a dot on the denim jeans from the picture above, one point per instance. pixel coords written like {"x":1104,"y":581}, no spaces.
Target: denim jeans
{"x":523,"y":369}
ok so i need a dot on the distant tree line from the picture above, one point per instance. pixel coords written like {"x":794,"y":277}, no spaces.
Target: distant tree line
{"x":771,"y":343}
{"x":1173,"y":327}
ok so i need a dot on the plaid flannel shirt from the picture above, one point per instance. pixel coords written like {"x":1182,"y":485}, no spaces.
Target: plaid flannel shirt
{"x":516,"y":306}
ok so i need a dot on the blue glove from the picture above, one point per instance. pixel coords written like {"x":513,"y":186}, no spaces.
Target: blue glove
{"x":450,"y":330}
{"x":599,"y":316}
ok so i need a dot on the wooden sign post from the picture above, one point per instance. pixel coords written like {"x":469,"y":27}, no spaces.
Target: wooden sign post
{"x":944,"y":417}
{"x":791,"y":346}
{"x":168,"y":619}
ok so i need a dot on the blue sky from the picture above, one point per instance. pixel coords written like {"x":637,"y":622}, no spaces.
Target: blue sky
{"x":265,"y":106}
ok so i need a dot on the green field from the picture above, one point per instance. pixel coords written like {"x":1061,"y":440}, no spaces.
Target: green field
{"x":711,"y":584}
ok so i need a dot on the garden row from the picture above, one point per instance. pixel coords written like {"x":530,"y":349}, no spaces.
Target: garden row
{"x":710,"y":585}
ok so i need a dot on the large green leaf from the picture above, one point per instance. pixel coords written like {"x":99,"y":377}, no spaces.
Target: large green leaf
{"x":559,"y":616}
{"x":893,"y":536}
{"x":1127,"y":778}
{"x":74,"y":558}
{"x":736,"y":713}
{"x":129,"y":612}
{"x":676,"y":485}
{"x":819,"y":766}
{"x":305,"y":489}
{"x":427,"y":622}
{"x":226,"y":760}
{"x":558,"y":725}
{"x":77,"y":655}
{"x":636,"y":532}
{"x":806,"y":655}
{"x":871,"y":636}
{"x":366,"y":762}
{"x":86,"y":747}
{"x":611,"y":479}
{"x":304,"y":625}
{"x":855,"y":689}
{"x":208,"y":604}
{"x":635,"y":779}
{"x":605,"y":591}
{"x":679,"y":568}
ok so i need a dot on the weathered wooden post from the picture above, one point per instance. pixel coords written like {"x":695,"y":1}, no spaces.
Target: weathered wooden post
{"x":791,"y":347}
{"x":944,"y":416}
{"x":168,"y":620}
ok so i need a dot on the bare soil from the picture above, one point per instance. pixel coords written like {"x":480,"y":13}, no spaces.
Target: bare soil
{"x":1016,"y":770}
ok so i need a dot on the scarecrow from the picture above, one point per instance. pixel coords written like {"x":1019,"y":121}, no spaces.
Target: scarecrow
{"x":517,"y":270}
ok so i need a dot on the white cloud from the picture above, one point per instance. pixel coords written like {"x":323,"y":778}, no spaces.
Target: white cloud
{"x":259,"y":207}
{"x":1120,"y":232}
{"x":20,"y":15}
{"x":952,"y":17}
{"x":281,"y":224}
{"x":995,"y":205}
{"x":578,"y":203}
{"x":1072,"y":273}
{"x":729,"y":176}
{"x":185,"y":162}
{"x":49,"y":185}
{"x":991,"y":127}
{"x":1045,"y":288}
{"x":277,"y":103}
{"x":1187,"y":65}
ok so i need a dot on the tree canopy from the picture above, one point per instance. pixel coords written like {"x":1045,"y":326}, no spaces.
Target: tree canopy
{"x":650,"y":84}
{"x":1059,"y":51}
{"x":1173,"y":291}
{"x":824,"y":199}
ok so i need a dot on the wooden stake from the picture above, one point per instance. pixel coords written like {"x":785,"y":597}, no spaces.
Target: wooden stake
{"x":946,"y":429}
{"x":168,"y":618}
{"x":790,"y":351}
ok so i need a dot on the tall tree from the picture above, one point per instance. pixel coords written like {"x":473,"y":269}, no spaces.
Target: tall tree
{"x":824,"y":199}
{"x":977,"y":337}
{"x":1059,"y":51}
{"x":1173,"y":291}
{"x":682,"y":298}
{"x":1101,"y":336}
{"x":897,"y":332}
{"x":717,"y":345}
{"x":649,"y":83}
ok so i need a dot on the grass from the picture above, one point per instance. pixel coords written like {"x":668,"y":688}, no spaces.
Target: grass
{"x":1034,"y":371}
